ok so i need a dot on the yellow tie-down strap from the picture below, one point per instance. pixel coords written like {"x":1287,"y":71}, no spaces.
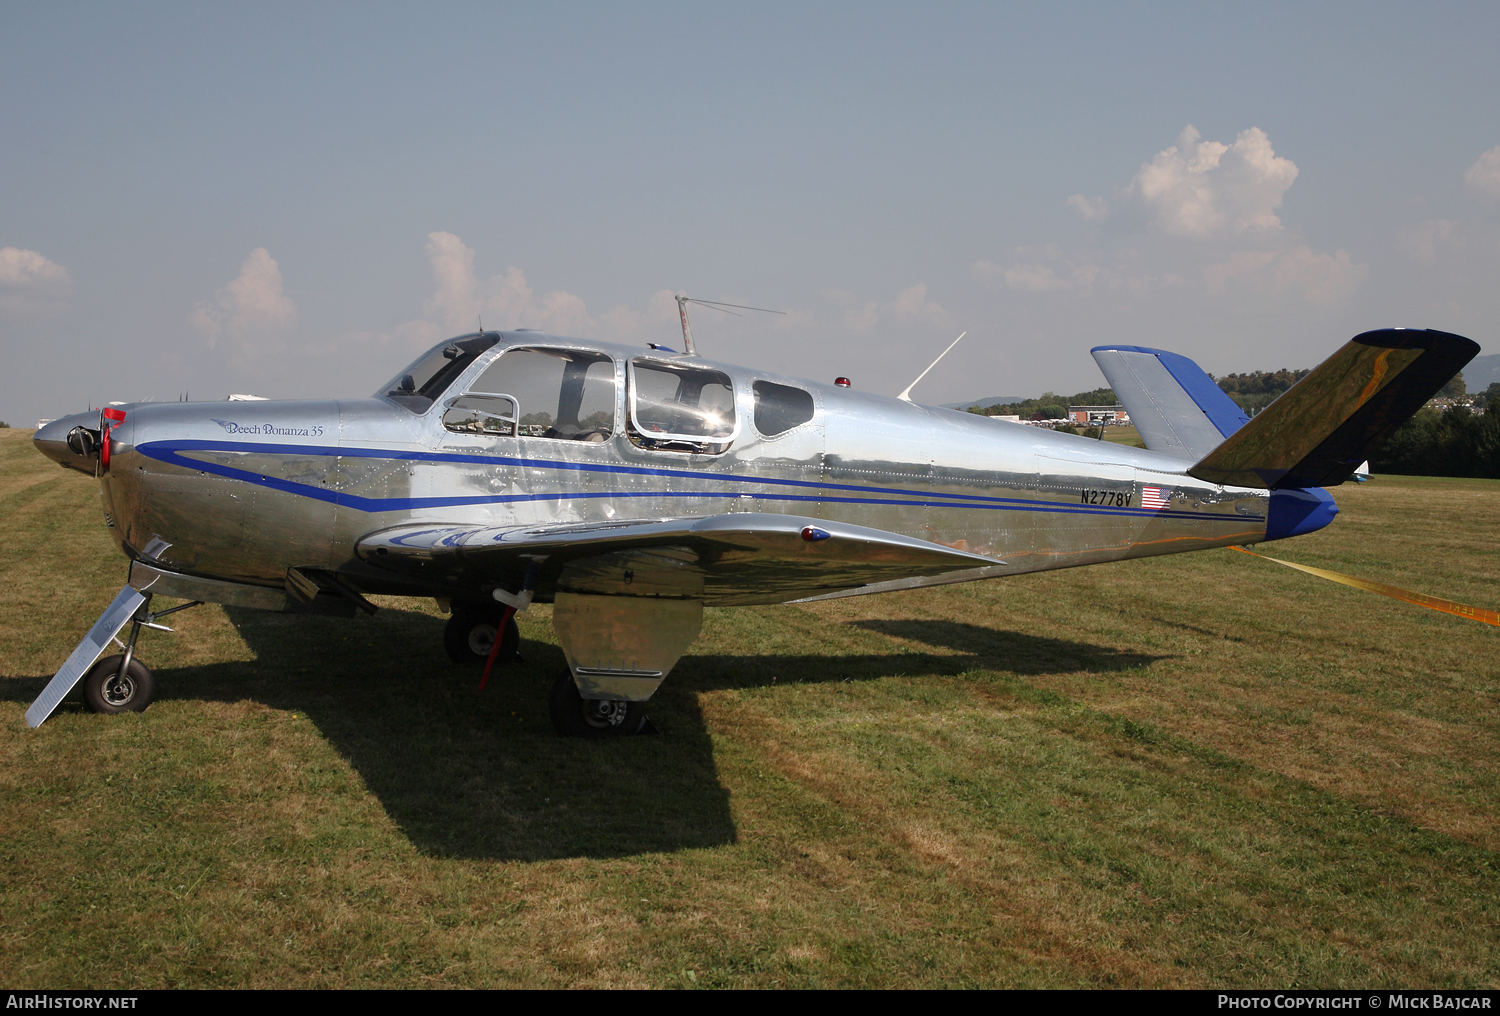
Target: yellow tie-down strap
{"x":1394,"y":592}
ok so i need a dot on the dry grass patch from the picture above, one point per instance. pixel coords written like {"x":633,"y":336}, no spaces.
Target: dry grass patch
{"x":1203,"y":770}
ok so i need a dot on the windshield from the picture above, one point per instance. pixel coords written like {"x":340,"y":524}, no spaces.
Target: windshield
{"x":419,"y":385}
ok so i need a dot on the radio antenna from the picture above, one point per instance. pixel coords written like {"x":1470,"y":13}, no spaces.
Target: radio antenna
{"x":906,"y":395}
{"x":722,"y":308}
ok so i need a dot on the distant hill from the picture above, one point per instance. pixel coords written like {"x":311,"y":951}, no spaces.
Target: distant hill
{"x":993,"y":400}
{"x":1481,"y":372}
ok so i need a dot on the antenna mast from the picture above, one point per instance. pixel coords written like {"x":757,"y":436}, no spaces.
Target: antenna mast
{"x":687,"y":329}
{"x":906,"y":395}
{"x":723,"y":308}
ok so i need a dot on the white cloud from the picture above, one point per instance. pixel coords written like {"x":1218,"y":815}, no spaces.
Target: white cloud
{"x":622,"y":323}
{"x":910,"y":305}
{"x":1207,"y":202}
{"x":1206,"y":188}
{"x":250,"y":310}
{"x":1037,"y":278}
{"x":1091,"y":209}
{"x":1484,"y":176}
{"x":1426,"y":240}
{"x":1048,"y":268}
{"x":29,"y":281}
{"x":1321,"y":279}
{"x":453,"y":274}
{"x":507,"y":300}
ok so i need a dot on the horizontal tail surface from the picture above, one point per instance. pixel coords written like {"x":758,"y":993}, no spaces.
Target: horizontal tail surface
{"x":1319,"y":432}
{"x":1176,"y":406}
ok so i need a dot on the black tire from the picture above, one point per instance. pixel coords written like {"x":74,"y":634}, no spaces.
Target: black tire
{"x":470,"y":634}
{"x":105,"y":691}
{"x":575,"y":716}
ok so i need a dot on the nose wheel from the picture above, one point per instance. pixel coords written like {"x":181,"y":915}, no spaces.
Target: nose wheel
{"x":114,"y":686}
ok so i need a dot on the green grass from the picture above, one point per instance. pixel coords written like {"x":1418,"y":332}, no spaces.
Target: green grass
{"x":1123,"y":435}
{"x":1195,"y":771}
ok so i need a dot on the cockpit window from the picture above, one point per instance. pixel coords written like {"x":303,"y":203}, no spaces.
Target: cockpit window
{"x":779,"y":408}
{"x":679,"y":407}
{"x":419,"y":385}
{"x":561,"y":394}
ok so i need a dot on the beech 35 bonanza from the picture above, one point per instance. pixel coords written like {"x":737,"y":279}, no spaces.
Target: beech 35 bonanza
{"x":633,"y":489}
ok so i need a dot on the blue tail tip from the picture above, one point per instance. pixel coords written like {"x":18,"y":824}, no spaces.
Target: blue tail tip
{"x":1299,"y":511}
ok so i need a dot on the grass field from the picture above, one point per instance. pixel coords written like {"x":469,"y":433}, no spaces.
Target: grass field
{"x":1195,"y":771}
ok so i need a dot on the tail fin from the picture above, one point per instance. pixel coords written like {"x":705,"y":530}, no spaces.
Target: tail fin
{"x":1177,"y":408}
{"x":1336,"y":417}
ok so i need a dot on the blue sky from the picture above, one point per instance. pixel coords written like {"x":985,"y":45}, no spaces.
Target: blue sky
{"x":293,"y":200}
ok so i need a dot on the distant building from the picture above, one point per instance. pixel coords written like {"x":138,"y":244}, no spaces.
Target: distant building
{"x":1093,"y":416}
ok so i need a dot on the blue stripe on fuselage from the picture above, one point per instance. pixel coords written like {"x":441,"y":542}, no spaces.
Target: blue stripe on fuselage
{"x":170,"y":452}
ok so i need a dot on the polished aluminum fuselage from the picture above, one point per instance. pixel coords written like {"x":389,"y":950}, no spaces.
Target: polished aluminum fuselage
{"x":245,"y":490}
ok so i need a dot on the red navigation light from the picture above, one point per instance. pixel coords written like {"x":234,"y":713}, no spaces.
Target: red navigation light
{"x":842,"y":382}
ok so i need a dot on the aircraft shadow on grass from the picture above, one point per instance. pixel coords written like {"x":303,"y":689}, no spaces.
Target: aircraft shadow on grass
{"x":1017,"y":652}
{"x":481,"y":774}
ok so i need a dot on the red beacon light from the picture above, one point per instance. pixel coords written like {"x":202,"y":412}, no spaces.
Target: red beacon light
{"x":842,"y":382}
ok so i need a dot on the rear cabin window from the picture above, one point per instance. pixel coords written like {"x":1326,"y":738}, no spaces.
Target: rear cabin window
{"x":679,"y":407}
{"x":421,"y":384}
{"x":779,"y":408}
{"x":559,"y":394}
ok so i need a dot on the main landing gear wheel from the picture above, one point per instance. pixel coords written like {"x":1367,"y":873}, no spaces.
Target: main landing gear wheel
{"x":575,"y":716}
{"x":469,"y":635}
{"x":106,"y":690}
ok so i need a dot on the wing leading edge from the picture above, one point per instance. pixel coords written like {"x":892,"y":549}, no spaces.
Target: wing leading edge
{"x":737,"y":558}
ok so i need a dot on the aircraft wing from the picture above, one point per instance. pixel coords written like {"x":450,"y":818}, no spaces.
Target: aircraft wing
{"x":737,"y":558}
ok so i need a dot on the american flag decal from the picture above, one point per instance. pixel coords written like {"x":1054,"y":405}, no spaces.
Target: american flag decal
{"x":1155,"y":497}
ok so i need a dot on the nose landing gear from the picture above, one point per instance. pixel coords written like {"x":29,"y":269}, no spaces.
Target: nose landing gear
{"x":122,"y":683}
{"x":119,"y":683}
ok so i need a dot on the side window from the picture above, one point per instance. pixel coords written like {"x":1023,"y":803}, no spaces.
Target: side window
{"x":677,"y":407}
{"x":779,"y":408}
{"x":482,"y":414}
{"x":560,"y":394}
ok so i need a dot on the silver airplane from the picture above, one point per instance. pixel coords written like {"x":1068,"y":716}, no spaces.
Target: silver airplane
{"x":632,"y":489}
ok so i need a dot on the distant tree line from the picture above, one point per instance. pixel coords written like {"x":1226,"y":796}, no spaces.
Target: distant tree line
{"x":1447,"y":441}
{"x":1049,"y":406}
{"x":1256,"y":390}
{"x":1455,"y":442}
